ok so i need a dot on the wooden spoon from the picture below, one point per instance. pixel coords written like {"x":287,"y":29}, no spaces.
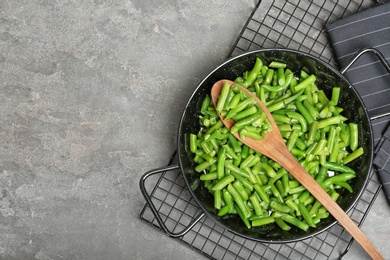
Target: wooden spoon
{"x":274,"y":147}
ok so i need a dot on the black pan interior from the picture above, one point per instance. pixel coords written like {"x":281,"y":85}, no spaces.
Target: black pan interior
{"x":327,"y":77}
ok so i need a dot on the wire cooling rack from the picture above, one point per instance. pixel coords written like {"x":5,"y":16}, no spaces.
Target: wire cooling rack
{"x":294,"y":24}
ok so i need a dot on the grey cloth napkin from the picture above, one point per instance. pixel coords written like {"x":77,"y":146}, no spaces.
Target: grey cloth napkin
{"x":368,"y":29}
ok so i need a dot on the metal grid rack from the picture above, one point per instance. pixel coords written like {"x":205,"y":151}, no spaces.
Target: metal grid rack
{"x":296,"y":25}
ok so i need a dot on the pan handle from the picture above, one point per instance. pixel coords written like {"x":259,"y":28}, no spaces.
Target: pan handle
{"x":381,"y":58}
{"x":154,"y":209}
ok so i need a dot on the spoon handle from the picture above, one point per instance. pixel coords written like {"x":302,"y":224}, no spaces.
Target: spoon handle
{"x":286,"y":159}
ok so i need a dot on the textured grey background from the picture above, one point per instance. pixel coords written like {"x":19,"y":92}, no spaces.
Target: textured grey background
{"x":90,"y":97}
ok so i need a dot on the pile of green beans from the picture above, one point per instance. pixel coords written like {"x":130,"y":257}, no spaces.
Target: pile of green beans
{"x":250,"y":120}
{"x":258,"y":189}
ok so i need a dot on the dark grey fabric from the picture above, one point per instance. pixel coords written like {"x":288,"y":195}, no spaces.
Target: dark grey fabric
{"x":368,"y":29}
{"x":382,"y":162}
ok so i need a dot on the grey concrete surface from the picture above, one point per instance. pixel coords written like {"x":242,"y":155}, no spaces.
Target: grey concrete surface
{"x":90,"y":97}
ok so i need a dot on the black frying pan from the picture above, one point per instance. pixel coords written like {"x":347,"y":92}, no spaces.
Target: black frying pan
{"x":327,"y":77}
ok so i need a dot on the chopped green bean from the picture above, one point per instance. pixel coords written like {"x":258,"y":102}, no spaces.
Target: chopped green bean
{"x":263,"y":221}
{"x":353,"y":136}
{"x":239,"y":201}
{"x":224,"y":182}
{"x":352,"y":156}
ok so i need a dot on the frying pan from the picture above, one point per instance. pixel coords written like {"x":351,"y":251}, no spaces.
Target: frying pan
{"x":327,"y":77}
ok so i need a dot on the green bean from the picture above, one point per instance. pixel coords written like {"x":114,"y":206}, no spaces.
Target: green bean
{"x":276,"y":106}
{"x":280,"y":187}
{"x":234,"y":102}
{"x":281,"y":207}
{"x":352,"y":156}
{"x":342,"y":177}
{"x":235,"y":169}
{"x":293,"y":97}
{"x":311,"y":109}
{"x":204,"y":165}
{"x":293,"y":183}
{"x":261,"y":192}
{"x":234,"y":143}
{"x":239,"y":201}
{"x":221,"y":163}
{"x":252,"y":177}
{"x":230,"y":152}
{"x":268,"y":169}
{"x":281,"y":76}
{"x":344,"y":133}
{"x":282,"y":224}
{"x":245,"y":133}
{"x":245,"y":113}
{"x":322,"y":174}
{"x":244,"y":181}
{"x":245,"y":151}
{"x":324,"y":113}
{"x":292,"y":140}
{"x":269,"y":76}
{"x":208,"y":176}
{"x":331,"y":138}
{"x":217,"y":125}
{"x":205,"y":104}
{"x":223,"y":211}
{"x":272,"y":88}
{"x":300,"y":119}
{"x":306,"y":215}
{"x":236,"y":162}
{"x":294,"y":221}
{"x":254,"y":72}
{"x":303,"y":74}
{"x":353,"y":136}
{"x":229,"y":98}
{"x":223,"y":96}
{"x":243,"y":217}
{"x":279,"y":174}
{"x":338,"y":167}
{"x":240,"y":189}
{"x":304,"y":83}
{"x":276,"y":192}
{"x":277,"y":64}
{"x":335,"y":195}
{"x":289,"y":77}
{"x":206,"y":147}
{"x":243,"y":122}
{"x":313,"y":129}
{"x":320,"y":147}
{"x":335,"y":95}
{"x":256,"y":204}
{"x":322,"y":98}
{"x":193,"y":143}
{"x":223,"y":182}
{"x":263,"y":221}
{"x":217,"y":199}
{"x":305,"y":113}
{"x":240,"y":107}
{"x":228,"y":200}
{"x":330,"y":121}
{"x":293,"y":206}
{"x":344,"y":185}
{"x":300,"y":144}
{"x":296,"y":190}
{"x":254,"y":161}
{"x":314,"y":209}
